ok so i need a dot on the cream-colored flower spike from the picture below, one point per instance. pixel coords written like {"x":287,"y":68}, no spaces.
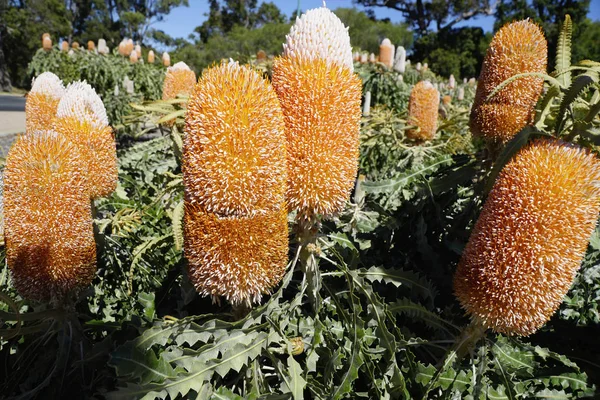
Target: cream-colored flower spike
{"x":319,"y":34}
{"x":83,"y":103}
{"x":49,"y":84}
{"x":180,"y":66}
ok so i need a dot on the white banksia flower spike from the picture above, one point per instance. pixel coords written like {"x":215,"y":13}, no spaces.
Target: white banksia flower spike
{"x":319,"y":34}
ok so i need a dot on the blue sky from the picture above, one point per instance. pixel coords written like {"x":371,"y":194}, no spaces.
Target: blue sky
{"x":182,"y":20}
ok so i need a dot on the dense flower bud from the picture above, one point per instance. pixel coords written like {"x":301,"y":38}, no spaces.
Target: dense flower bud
{"x":516,"y":48}
{"x":423,"y":111}
{"x":530,"y":238}
{"x":81,"y":118}
{"x":49,"y":236}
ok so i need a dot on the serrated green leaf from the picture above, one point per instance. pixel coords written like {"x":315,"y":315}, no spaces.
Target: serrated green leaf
{"x":563,"y":52}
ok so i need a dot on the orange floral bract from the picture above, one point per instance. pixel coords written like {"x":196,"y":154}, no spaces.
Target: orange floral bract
{"x":321,"y":104}
{"x":423,"y":111}
{"x":234,"y":172}
{"x":49,"y":237}
{"x":516,"y":48}
{"x":530,"y":238}
{"x":179,"y":79}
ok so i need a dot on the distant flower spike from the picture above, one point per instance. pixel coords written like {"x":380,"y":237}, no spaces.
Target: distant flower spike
{"x":81,"y":118}
{"x":166,"y":59}
{"x":516,"y":48}
{"x":234,"y":169}
{"x":42,"y":101}
{"x":386,"y":53}
{"x":321,"y":100}
{"x":50,"y":247}
{"x":179,"y":79}
{"x":151,"y":57}
{"x":423,"y":111}
{"x":530,"y":238}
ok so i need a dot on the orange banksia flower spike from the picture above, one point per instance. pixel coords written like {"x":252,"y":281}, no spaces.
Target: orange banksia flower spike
{"x":386,"y":53}
{"x":516,"y":48}
{"x":423,"y":108}
{"x":49,"y":236}
{"x":46,"y":42}
{"x":81,"y":118}
{"x":42,"y":102}
{"x":530,"y":238}
{"x":321,"y":101}
{"x":234,"y":169}
{"x":75,"y":46}
{"x":179,"y":79}
{"x":91,"y":46}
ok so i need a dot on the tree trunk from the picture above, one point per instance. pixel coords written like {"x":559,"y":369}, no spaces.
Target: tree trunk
{"x":5,"y":85}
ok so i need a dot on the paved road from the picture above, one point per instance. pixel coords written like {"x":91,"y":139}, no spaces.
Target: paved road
{"x":12,"y":103}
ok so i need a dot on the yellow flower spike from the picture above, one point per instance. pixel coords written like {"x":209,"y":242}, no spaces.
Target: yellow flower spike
{"x":49,"y":237}
{"x":47,"y":43}
{"x":320,"y":97}
{"x":516,"y":48}
{"x":234,"y":172}
{"x":234,"y":159}
{"x":91,"y":46}
{"x":179,"y":79}
{"x":423,"y":106}
{"x":240,"y":258}
{"x":81,"y":118}
{"x":42,"y":102}
{"x":530,"y":238}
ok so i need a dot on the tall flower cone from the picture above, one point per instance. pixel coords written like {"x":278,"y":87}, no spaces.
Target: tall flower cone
{"x":133,"y":57}
{"x":530,"y":238}
{"x":423,"y":108}
{"x":42,"y":101}
{"x":166,"y":59}
{"x":91,"y":46}
{"x":234,"y":171}
{"x":75,"y":46}
{"x":81,"y":118}
{"x":151,"y":57}
{"x":386,"y":53}
{"x":516,"y":48}
{"x":321,"y":101}
{"x":64,"y":46}
{"x":179,"y":79}
{"x":47,"y":43}
{"x":53,"y":255}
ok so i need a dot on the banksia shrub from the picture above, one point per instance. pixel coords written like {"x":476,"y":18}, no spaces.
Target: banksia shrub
{"x":42,"y":102}
{"x":234,"y":171}
{"x":81,"y":119}
{"x":530,"y":238}
{"x":179,"y":79}
{"x":49,"y":237}
{"x":423,"y":111}
{"x":320,"y":97}
{"x":516,"y":48}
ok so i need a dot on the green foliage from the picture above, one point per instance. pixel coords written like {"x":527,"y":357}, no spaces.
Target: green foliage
{"x":366,"y":34}
{"x":240,"y":43}
{"x":457,"y":51}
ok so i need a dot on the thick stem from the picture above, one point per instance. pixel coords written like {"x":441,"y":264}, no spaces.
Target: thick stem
{"x":307,"y":229}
